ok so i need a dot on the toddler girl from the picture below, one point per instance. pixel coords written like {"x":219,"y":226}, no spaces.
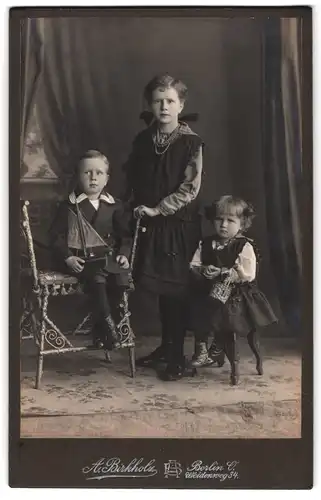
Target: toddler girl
{"x":228,"y":301}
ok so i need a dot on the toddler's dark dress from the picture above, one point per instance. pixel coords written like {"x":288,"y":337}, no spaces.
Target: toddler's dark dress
{"x":246,"y":309}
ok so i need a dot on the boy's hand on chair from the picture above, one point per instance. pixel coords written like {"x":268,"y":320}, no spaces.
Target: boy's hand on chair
{"x":122,"y":261}
{"x":143,"y":210}
{"x":75,"y":263}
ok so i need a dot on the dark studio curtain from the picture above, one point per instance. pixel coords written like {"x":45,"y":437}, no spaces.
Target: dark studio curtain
{"x":282,"y":137}
{"x":87,"y":75}
{"x":30,"y":65}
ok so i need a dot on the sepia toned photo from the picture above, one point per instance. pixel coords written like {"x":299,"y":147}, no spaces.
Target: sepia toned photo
{"x":162,"y":225}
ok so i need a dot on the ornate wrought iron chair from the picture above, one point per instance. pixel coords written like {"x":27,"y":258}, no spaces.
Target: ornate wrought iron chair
{"x":39,"y":286}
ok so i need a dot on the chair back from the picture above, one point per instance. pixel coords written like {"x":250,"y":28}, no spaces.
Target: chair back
{"x":26,"y":231}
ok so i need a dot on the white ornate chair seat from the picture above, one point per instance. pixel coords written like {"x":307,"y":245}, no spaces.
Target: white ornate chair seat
{"x":53,"y":278}
{"x":39,"y":286}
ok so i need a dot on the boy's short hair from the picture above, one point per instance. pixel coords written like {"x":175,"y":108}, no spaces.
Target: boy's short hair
{"x":90,"y":153}
{"x":165,"y":81}
{"x":93,"y":153}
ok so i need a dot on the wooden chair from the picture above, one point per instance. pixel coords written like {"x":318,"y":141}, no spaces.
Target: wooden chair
{"x":39,"y":286}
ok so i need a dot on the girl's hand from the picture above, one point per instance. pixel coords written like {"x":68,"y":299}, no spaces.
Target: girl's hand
{"x":76,"y":264}
{"x":142,"y":210}
{"x":122,"y":261}
{"x":211,"y":272}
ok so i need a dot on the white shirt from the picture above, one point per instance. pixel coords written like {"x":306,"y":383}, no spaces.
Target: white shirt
{"x":245,"y":261}
{"x":95,"y":203}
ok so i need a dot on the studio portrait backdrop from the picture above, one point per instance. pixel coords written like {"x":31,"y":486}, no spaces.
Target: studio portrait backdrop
{"x":83,"y":78}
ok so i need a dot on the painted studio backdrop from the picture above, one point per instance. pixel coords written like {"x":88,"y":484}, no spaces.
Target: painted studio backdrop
{"x":82,"y":85}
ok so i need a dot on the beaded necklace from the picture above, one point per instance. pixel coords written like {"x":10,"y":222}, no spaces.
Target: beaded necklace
{"x":163,"y":140}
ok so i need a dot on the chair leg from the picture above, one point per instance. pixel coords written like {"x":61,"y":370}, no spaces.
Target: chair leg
{"x":132,"y":361}
{"x":41,"y":347}
{"x":254,"y":344}
{"x":231,"y":350}
{"x":43,"y":308}
{"x":28,"y":321}
{"x":40,"y":357}
{"x":35,"y":327}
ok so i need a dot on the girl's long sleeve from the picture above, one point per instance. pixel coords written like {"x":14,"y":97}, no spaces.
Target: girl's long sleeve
{"x":189,"y":188}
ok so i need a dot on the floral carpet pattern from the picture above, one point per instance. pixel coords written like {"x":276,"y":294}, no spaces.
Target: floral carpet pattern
{"x":84,"y":386}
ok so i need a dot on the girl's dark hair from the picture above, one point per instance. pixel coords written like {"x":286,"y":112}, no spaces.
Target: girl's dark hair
{"x":237,"y":206}
{"x":165,"y":81}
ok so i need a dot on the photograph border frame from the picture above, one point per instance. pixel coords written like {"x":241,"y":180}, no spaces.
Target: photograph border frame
{"x":262,"y":463}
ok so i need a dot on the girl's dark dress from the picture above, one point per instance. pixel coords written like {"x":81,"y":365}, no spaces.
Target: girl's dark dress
{"x":167,"y":246}
{"x":247,"y":307}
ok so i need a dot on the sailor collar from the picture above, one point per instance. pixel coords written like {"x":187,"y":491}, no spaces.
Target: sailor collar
{"x":108,"y":198}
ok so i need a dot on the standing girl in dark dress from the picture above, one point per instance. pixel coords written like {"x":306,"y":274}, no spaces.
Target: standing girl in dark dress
{"x":227,"y":300}
{"x":164,"y":173}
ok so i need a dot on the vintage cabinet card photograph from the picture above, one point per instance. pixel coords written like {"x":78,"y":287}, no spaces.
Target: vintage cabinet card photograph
{"x":161,"y":331}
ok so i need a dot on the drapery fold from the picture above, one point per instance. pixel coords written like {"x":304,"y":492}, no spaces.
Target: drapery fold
{"x":291,"y":85}
{"x":282,"y":157}
{"x":86,"y":77}
{"x":30,"y":64}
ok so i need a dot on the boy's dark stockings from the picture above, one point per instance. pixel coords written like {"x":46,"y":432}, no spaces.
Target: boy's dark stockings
{"x":104,"y":331}
{"x":100,"y":302}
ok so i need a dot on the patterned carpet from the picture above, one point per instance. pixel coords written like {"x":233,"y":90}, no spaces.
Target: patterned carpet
{"x":83,"y":384}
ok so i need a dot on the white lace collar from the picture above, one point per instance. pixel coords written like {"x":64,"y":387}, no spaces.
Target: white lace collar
{"x":217,"y":245}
